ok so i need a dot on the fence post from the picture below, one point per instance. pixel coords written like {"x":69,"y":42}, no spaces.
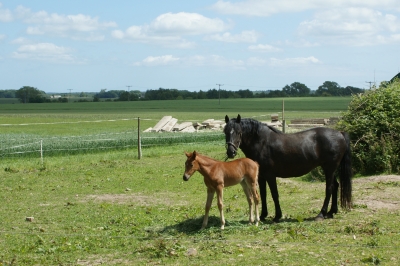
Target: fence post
{"x":41,"y":151}
{"x":139,"y":142}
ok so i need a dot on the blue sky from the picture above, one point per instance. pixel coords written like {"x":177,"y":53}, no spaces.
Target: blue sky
{"x":58,"y":46}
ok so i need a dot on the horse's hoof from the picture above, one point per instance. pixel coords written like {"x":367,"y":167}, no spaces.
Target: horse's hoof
{"x":222,"y":227}
{"x":329,"y":216}
{"x":276,"y":220}
{"x":262,"y":218}
{"x":319,"y":218}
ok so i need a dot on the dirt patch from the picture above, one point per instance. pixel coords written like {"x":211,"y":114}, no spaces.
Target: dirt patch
{"x":377,"y":192}
{"x":137,"y":199}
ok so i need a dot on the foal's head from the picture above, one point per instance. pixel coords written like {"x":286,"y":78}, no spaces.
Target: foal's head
{"x":191,"y":165}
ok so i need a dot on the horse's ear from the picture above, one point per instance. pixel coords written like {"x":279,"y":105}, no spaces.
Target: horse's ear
{"x":226,"y":119}
{"x":238,"y":119}
{"x":187,"y":154}
{"x":194,"y":154}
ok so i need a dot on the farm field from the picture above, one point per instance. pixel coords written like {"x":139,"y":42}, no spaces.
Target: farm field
{"x":106,"y":207}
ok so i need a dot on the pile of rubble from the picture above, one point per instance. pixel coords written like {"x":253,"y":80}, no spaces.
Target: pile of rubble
{"x":170,"y":124}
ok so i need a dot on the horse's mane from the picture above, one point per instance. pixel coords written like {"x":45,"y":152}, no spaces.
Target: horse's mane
{"x":253,"y":126}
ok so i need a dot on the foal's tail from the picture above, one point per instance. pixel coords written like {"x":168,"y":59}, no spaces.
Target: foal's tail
{"x":346,"y":175}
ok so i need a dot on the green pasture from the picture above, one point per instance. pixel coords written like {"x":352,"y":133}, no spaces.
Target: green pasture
{"x":107,"y":207}
{"x":112,"y":209}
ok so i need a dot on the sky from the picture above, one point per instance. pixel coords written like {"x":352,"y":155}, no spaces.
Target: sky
{"x":86,"y":46}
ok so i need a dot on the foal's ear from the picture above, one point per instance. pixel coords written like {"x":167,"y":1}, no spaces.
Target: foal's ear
{"x":187,"y":154}
{"x":238,"y":119}
{"x":194,"y":154}
{"x":226,"y":119}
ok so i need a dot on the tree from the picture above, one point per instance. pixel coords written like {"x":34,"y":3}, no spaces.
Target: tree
{"x":7,"y":93}
{"x":296,"y":89}
{"x":372,"y":121}
{"x":329,"y":88}
{"x":29,"y":94}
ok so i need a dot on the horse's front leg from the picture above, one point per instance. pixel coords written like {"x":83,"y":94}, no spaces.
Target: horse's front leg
{"x":210,"y":196}
{"x":220,"y":194}
{"x":262,"y":184}
{"x":275,"y":196}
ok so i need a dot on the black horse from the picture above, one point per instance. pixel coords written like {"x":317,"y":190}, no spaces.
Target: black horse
{"x":291,"y":155}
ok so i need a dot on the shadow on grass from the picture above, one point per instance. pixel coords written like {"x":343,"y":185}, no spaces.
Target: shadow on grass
{"x":192,"y":226}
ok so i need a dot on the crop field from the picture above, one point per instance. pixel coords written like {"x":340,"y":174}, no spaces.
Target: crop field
{"x":107,"y":207}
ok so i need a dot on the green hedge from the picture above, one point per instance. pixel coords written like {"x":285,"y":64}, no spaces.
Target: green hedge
{"x":373,"y":122}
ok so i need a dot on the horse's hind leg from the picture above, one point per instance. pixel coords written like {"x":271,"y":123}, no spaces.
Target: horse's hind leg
{"x":334,"y":206}
{"x":329,"y":188}
{"x":210,"y":196}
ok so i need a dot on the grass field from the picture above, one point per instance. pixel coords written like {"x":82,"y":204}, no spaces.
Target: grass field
{"x":110,"y":208}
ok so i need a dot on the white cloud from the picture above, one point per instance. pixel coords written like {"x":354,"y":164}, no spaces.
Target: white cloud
{"x":264,"y":8}
{"x":191,"y":61}
{"x":244,"y":36}
{"x":2,"y":37}
{"x":264,"y":48}
{"x":5,"y":14}
{"x":168,"y":29}
{"x":44,"y":52}
{"x":75,"y":26}
{"x":158,"y":61}
{"x":287,"y":62}
{"x":186,"y":24}
{"x":353,"y":26}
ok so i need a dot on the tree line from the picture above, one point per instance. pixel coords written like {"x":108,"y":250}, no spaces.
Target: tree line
{"x":29,"y":94}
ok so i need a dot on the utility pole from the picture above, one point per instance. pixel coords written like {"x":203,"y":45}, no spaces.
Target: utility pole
{"x":370,"y":82}
{"x":219,"y":93}
{"x":69,"y":94}
{"x":129,"y":93}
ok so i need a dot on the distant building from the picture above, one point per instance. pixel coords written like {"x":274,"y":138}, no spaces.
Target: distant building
{"x":55,"y":96}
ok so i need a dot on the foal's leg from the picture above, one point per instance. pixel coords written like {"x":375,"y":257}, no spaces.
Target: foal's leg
{"x":210,"y":196}
{"x":256,"y":199}
{"x":220,"y":194}
{"x":247,"y":191}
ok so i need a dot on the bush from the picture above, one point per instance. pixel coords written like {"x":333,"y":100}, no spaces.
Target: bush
{"x":372,"y":120}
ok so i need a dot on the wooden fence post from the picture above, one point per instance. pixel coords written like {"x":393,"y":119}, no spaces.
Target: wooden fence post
{"x":139,"y":143}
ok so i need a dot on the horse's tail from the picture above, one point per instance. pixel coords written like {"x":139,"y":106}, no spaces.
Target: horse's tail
{"x":346,"y":175}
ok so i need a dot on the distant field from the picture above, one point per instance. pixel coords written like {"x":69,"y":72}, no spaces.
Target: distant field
{"x":92,"y":126}
{"x":150,"y":112}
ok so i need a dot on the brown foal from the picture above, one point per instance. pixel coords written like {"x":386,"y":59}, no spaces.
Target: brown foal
{"x":218,"y":174}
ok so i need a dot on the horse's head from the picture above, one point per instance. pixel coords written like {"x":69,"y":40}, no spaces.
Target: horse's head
{"x":233,"y":135}
{"x":191,"y":165}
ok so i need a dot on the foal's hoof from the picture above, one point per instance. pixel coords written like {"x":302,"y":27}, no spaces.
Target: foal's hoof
{"x":319,"y":218}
